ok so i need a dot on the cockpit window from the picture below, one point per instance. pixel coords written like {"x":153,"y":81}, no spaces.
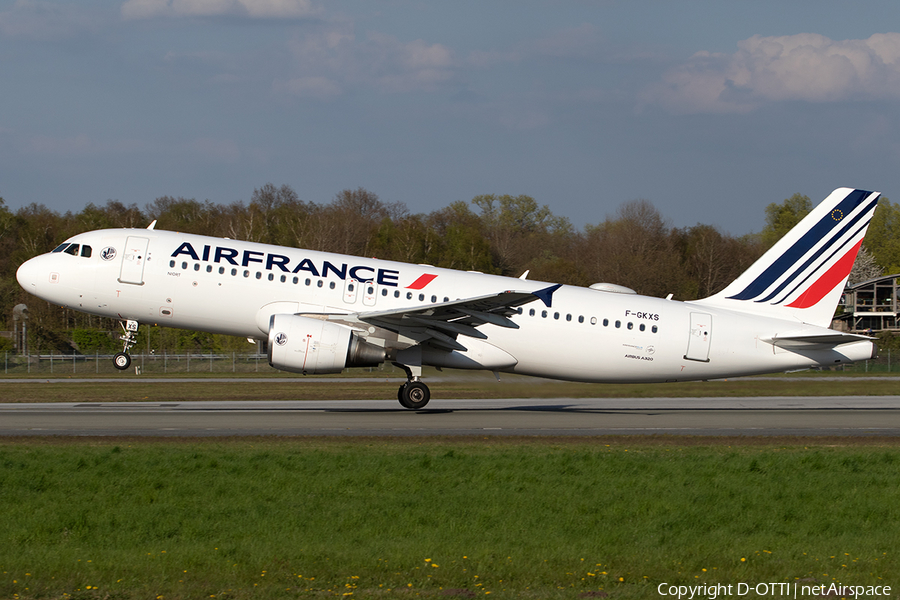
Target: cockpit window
{"x":61,"y":247}
{"x":86,"y":251}
{"x":72,"y":249}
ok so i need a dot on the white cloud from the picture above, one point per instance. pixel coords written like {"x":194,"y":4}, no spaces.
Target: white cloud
{"x":257,"y":9}
{"x":805,"y":67}
{"x":330,"y":62}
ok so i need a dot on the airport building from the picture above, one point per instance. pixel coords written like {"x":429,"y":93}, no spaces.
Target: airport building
{"x":870,"y":306}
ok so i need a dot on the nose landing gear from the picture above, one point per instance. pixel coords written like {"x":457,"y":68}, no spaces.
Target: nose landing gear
{"x":122,"y":360}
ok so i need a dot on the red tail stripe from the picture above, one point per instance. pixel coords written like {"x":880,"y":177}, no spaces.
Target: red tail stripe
{"x":421,"y":282}
{"x":828,"y":280}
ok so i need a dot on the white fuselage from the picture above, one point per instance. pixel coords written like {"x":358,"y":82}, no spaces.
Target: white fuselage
{"x":233,"y":287}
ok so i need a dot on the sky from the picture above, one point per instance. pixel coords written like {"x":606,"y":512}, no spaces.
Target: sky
{"x":709,"y":110}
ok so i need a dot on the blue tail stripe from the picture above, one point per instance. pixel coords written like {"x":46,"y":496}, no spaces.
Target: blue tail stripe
{"x":825,"y":247}
{"x":830,"y":256}
{"x":800,"y":247}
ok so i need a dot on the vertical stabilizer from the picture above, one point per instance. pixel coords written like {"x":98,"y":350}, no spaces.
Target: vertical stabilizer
{"x":803,"y":275}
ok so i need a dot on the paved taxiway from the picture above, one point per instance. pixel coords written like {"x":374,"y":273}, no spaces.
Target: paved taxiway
{"x":818,"y":416}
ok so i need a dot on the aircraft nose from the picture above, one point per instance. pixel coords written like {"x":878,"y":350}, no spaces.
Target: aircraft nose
{"x":27,"y":275}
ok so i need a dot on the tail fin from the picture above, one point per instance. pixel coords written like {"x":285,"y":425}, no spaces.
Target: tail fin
{"x":803,"y":275}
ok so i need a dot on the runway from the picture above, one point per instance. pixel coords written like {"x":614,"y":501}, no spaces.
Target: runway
{"x":757,"y":416}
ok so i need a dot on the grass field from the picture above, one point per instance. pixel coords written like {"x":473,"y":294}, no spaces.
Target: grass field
{"x":461,"y":518}
{"x":133,"y":389}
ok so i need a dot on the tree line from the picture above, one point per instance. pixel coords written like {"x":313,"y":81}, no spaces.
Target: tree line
{"x":500,"y":234}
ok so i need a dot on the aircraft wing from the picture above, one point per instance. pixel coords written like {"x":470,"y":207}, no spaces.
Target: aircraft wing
{"x":440,"y":323}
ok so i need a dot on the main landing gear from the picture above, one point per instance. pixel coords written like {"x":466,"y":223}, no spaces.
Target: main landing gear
{"x":413,"y":394}
{"x":122,"y":360}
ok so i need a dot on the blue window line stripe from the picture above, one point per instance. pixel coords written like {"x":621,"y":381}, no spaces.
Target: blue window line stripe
{"x":800,"y":247}
{"x":825,"y":247}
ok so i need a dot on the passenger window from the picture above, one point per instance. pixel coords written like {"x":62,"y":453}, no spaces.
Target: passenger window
{"x":642,"y":327}
{"x":409,"y":295}
{"x":296,"y":280}
{"x":434,"y":298}
{"x":654,"y":329}
{"x":172,"y":264}
{"x":350,"y":287}
{"x":221,"y":270}
{"x":209,"y":268}
{"x":384,"y":292}
{"x":421,"y":297}
{"x":396,"y":293}
{"x":320,"y":283}
{"x":618,"y":324}
{"x":556,"y":316}
{"x":581,"y":318}
{"x":606,"y":322}
{"x":593,"y":320}
{"x":531,"y":312}
{"x":544,"y":313}
{"x":184,"y":266}
{"x":283,"y":278}
{"x":331,"y":285}
{"x":630,"y":325}
{"x":271,"y":276}
{"x":85,"y":251}
{"x":258,"y":275}
{"x":308,"y":281}
{"x":196,"y":266}
{"x":233,"y":272}
{"x":246,"y":273}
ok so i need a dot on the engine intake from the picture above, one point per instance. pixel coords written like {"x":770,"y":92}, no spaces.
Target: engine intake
{"x":305,"y":345}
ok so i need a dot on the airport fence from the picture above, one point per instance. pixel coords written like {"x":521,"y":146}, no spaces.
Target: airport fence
{"x":164,"y":363}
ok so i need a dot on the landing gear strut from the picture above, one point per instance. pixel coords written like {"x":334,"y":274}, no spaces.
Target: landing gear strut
{"x":413,"y":394}
{"x":122,"y":360}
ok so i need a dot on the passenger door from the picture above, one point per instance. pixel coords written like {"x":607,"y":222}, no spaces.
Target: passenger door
{"x":134,"y":257}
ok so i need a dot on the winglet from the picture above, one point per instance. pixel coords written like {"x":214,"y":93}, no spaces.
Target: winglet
{"x":546,"y":294}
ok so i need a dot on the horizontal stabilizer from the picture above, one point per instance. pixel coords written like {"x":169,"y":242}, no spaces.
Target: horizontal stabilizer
{"x":817,"y":340}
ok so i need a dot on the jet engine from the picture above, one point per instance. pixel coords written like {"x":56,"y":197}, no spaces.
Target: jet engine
{"x":305,"y":345}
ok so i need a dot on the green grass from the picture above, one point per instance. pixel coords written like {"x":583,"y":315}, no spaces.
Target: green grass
{"x":441,"y":387}
{"x":269,"y":518}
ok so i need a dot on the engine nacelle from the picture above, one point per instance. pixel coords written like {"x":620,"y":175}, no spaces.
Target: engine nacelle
{"x":304,"y":345}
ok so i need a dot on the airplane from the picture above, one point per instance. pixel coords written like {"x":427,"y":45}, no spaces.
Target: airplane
{"x":319,"y":312}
